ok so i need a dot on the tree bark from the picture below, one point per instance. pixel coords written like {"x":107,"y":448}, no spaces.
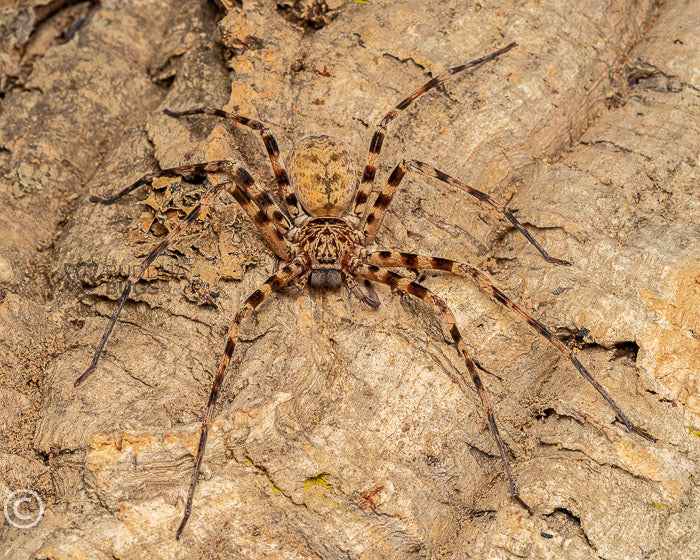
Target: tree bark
{"x":338,"y":433}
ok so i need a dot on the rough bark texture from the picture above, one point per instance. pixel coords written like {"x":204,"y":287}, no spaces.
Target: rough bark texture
{"x":339,"y":434}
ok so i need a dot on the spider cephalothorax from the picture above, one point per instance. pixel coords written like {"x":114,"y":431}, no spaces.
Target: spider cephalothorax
{"x":325,"y":240}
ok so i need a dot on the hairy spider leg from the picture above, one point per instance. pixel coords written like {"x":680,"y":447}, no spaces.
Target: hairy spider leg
{"x":254,"y":200}
{"x":273,"y":152}
{"x":155,"y":252}
{"x":410,"y":260}
{"x":374,"y":219}
{"x":360,"y":203}
{"x":377,"y":274}
{"x":277,"y":281}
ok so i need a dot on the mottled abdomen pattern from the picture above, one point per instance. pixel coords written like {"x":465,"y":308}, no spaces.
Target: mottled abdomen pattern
{"x":322,"y":172}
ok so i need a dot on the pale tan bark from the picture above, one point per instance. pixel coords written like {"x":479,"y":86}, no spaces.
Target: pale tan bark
{"x":339,"y":434}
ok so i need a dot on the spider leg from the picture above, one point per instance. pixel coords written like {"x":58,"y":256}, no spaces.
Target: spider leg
{"x":259,"y":206}
{"x":273,"y":151}
{"x":296,"y":286}
{"x":377,"y":274}
{"x":359,"y":206}
{"x":157,"y":250}
{"x":376,"y":215}
{"x":274,"y":283}
{"x":391,"y":258}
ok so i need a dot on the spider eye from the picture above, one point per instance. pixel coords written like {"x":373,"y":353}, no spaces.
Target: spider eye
{"x":322,"y":173}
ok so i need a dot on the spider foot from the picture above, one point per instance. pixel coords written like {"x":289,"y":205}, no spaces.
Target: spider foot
{"x":181,"y":528}
{"x":518,"y":499}
{"x":175,"y":113}
{"x":632,"y":428}
{"x":101,"y":200}
{"x":640,"y":432}
{"x":554,"y":260}
{"x":84,"y":375}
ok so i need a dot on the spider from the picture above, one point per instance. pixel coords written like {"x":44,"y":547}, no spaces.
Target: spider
{"x":321,"y":233}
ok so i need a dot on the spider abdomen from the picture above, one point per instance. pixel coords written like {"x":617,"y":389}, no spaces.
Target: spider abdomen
{"x":322,"y":173}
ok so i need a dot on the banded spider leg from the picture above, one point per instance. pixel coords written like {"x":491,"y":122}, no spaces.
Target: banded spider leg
{"x":361,"y":269}
{"x":274,"y":283}
{"x":409,"y":260}
{"x":281,"y":177}
{"x":264,"y":212}
{"x":359,"y":207}
{"x":374,"y":218}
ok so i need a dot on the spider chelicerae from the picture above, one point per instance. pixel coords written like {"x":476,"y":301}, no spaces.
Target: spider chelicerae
{"x":321,"y":234}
